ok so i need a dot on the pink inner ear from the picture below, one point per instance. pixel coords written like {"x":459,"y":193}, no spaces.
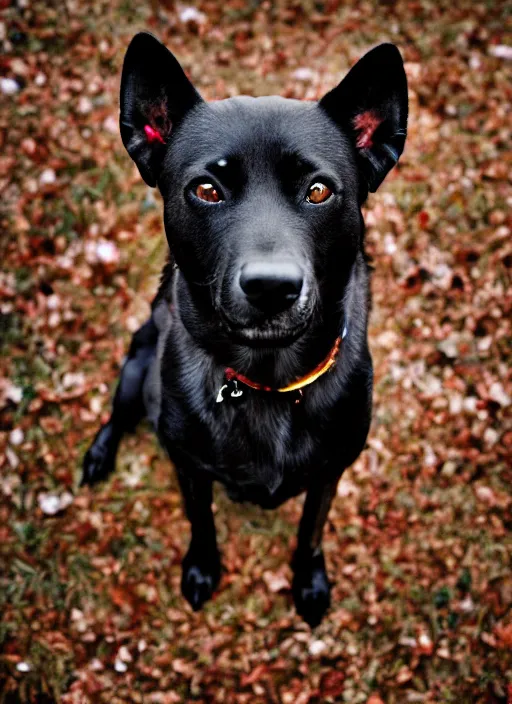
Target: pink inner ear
{"x":153,"y":135}
{"x":367,"y":122}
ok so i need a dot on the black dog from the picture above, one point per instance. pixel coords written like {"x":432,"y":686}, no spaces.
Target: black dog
{"x":254,"y":366}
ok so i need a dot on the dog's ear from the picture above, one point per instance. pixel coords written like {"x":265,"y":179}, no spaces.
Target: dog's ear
{"x":370,"y":104}
{"x":155,"y":96}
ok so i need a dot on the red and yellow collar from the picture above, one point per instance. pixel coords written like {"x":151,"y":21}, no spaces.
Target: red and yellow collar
{"x":297,"y":385}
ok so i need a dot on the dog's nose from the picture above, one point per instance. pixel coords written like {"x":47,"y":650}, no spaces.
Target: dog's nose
{"x":271,"y":286}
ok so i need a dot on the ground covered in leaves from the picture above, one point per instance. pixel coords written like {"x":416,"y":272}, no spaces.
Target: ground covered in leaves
{"x":418,"y":542}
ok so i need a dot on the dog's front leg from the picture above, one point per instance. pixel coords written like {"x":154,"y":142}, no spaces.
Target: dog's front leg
{"x":311,"y":588}
{"x":201,"y":565}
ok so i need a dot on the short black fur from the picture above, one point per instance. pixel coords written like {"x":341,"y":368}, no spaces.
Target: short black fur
{"x":262,"y":281}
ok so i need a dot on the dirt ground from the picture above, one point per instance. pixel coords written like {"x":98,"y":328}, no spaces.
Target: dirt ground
{"x":418,"y":542}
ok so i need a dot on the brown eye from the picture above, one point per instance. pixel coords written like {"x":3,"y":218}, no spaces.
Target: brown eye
{"x":207,"y":192}
{"x":318,"y":193}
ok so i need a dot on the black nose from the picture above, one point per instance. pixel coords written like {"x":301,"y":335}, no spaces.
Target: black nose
{"x":271,"y":286}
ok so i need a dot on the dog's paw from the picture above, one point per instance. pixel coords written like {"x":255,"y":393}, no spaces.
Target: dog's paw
{"x":311,"y":590}
{"x":199,"y":578}
{"x":100,"y":458}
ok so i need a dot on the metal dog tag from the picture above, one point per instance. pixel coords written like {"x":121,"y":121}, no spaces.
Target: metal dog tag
{"x":232,"y":389}
{"x":236,"y":393}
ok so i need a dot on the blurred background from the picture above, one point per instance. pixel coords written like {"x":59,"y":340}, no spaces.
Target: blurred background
{"x":418,"y":541}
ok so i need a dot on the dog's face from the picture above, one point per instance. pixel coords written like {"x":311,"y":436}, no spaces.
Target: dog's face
{"x":262,"y":195}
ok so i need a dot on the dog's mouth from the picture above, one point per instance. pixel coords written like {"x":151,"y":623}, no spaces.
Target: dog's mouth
{"x":266,"y":334}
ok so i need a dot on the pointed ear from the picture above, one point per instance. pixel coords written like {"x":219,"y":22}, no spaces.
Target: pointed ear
{"x":155,"y":95}
{"x":371,"y":105}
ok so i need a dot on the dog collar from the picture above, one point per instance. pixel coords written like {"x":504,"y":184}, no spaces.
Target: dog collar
{"x":233,"y":377}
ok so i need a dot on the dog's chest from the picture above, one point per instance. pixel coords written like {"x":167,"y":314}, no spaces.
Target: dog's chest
{"x":259,"y":447}
{"x":261,"y":429}
{"x":262,"y":444}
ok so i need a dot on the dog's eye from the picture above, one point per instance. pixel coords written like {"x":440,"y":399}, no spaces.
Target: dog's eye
{"x":318,"y":193}
{"x":208,"y":192}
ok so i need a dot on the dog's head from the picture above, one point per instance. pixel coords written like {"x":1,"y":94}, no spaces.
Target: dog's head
{"x":262,"y":196}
